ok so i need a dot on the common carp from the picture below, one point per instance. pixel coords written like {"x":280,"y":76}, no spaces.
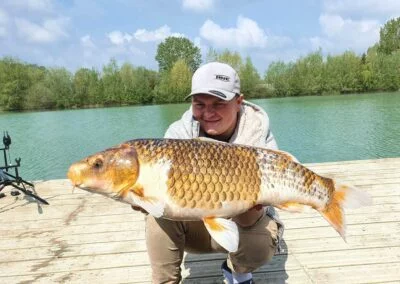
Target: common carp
{"x":199,"y":179}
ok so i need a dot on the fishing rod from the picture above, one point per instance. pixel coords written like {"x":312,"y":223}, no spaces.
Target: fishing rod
{"x":14,"y":180}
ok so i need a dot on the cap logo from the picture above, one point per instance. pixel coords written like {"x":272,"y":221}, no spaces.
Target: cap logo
{"x":222,"y":78}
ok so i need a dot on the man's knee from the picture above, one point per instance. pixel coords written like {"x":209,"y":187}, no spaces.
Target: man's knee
{"x":257,"y":246}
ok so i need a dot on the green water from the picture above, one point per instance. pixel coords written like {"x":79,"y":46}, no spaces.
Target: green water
{"x":314,"y":129}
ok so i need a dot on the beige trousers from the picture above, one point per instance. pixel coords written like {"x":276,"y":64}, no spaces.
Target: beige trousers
{"x":167,"y":240}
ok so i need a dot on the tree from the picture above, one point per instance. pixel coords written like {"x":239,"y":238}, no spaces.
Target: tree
{"x":174,"y":86}
{"x":126,"y":74}
{"x":86,"y":84}
{"x":112,"y":85}
{"x":175,"y":48}
{"x":306,"y":75}
{"x":389,"y":41}
{"x":232,"y":58}
{"x":249,"y":80}
{"x":144,"y":82}
{"x":15,"y":80}
{"x":180,"y":80}
{"x":343,"y":73}
{"x":40,"y":97}
{"x":59,"y":82}
{"x":277,"y":78}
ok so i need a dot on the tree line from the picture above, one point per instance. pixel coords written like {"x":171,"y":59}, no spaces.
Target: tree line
{"x":25,"y":86}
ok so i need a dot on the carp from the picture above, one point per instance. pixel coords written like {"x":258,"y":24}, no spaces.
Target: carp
{"x":203,"y":179}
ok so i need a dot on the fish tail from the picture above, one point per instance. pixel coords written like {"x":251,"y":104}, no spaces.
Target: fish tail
{"x":344,"y":196}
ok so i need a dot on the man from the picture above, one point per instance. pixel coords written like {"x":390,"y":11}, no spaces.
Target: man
{"x":218,"y":112}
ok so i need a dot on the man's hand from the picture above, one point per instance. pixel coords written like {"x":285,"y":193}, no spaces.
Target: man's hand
{"x":249,"y":217}
{"x":137,"y":208}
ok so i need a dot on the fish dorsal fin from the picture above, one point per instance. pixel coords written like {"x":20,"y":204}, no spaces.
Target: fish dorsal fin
{"x":287,"y":155}
{"x":224,"y":232}
{"x":153,"y":205}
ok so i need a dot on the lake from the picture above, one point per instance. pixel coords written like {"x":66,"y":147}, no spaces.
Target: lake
{"x":314,"y":129}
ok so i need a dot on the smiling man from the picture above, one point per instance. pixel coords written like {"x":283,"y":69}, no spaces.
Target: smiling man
{"x":219,"y":112}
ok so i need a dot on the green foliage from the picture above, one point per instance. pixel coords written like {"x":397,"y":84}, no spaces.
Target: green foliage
{"x":145,"y":82}
{"x":15,"y":80}
{"x":277,"y":78}
{"x":389,"y":41}
{"x":40,"y":97}
{"x":175,"y":48}
{"x":232,"y":58}
{"x":59,"y":82}
{"x":112,"y":84}
{"x":343,"y":73}
{"x":250,"y":82}
{"x":174,"y":85}
{"x":306,"y":75}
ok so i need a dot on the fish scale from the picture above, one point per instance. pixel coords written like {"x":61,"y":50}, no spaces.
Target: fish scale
{"x":230,"y":176}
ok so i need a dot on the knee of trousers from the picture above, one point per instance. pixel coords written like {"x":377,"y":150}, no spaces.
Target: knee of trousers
{"x":257,"y":246}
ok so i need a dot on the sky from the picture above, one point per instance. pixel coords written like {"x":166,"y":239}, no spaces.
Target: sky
{"x":88,"y":33}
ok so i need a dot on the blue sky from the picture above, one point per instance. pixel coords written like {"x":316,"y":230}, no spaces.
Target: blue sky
{"x":87,"y":33}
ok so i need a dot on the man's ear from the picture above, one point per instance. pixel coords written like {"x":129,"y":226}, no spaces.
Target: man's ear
{"x":240,"y":99}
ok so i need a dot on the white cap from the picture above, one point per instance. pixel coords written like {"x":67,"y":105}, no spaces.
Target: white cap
{"x":216,"y":79}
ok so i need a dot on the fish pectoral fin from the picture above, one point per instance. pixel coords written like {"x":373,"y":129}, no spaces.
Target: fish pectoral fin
{"x":152,"y":205}
{"x":291,"y":206}
{"x":224,"y":232}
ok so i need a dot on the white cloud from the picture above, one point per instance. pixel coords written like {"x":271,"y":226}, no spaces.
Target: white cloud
{"x":198,"y":5}
{"x":50,"y":30}
{"x":340,"y":33}
{"x":87,"y":42}
{"x":159,"y":34}
{"x":247,"y":33}
{"x":32,"y":5}
{"x":366,"y":7}
{"x":122,"y":45}
{"x":119,"y":38}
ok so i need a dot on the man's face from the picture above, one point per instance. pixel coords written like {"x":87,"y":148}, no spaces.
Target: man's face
{"x":216,"y":116}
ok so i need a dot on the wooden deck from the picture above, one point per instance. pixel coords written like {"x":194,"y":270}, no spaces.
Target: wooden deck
{"x":85,"y":238}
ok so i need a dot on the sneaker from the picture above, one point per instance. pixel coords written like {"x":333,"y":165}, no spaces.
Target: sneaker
{"x":228,"y":277}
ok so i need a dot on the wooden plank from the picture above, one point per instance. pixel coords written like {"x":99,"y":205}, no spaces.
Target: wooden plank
{"x":323,"y":259}
{"x":126,"y":274}
{"x":372,"y":273}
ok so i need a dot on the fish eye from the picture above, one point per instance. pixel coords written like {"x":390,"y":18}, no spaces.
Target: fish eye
{"x":98,"y":163}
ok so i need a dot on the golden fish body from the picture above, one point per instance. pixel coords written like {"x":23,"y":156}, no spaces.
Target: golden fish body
{"x":204,"y":180}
